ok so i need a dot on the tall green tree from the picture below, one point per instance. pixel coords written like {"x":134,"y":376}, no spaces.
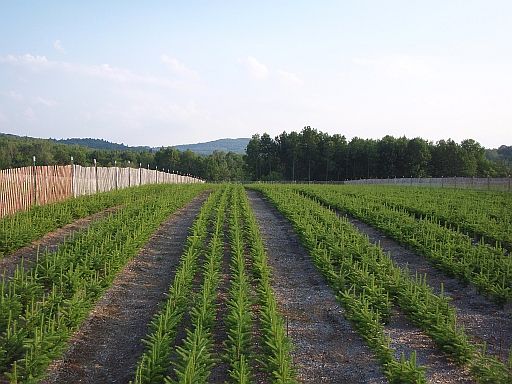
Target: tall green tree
{"x":310,"y":151}
{"x":340,"y":156}
{"x":418,"y":155}
{"x":253,"y":156}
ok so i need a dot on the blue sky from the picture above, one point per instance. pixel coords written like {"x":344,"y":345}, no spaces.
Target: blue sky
{"x":168,"y":72}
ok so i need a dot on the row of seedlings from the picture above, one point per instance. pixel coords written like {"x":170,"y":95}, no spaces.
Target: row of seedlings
{"x":195,"y":357}
{"x":239,"y":320}
{"x":368,"y":283}
{"x":276,"y":354}
{"x":488,"y":268}
{"x":192,"y":361}
{"x":154,"y":365}
{"x":482,"y":214}
{"x":42,"y":306}
{"x":23,"y":227}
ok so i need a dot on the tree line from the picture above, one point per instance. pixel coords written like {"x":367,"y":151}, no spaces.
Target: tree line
{"x":312,"y":155}
{"x":308,"y":155}
{"x":18,"y":151}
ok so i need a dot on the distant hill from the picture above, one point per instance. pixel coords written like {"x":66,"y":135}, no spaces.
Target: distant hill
{"x":99,"y":144}
{"x":207,"y":148}
{"x":224,"y":145}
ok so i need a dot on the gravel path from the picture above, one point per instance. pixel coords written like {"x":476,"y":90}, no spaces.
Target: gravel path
{"x":326,"y":348}
{"x":406,"y":337}
{"x":49,"y":242}
{"x":483,"y":320}
{"x":107,"y":346}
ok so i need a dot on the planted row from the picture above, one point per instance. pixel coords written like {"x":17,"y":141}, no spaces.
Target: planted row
{"x":195,"y":357}
{"x":154,"y":364}
{"x":484,"y":266}
{"x":239,"y":321}
{"x":22,"y":228}
{"x":277,"y":347}
{"x":481,"y":214}
{"x":192,"y":359}
{"x":42,"y":306}
{"x":347,"y":268}
{"x":365,"y":277}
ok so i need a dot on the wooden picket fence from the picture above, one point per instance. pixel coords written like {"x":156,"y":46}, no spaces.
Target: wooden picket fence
{"x":21,"y":188}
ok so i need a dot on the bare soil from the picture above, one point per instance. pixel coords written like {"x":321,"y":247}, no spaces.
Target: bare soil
{"x":482,"y":319}
{"x":326,"y":348}
{"x":406,"y":338}
{"x":49,"y":242}
{"x":108,"y":345}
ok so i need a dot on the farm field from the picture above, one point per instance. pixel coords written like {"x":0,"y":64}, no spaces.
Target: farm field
{"x":259,"y":284}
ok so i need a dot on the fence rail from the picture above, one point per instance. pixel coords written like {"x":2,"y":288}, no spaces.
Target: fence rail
{"x":21,"y":188}
{"x":489,"y":183}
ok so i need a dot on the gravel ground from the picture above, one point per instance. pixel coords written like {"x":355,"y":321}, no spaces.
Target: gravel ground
{"x":49,"y":242}
{"x":326,"y":348}
{"x":405,"y":338}
{"x":483,"y":320}
{"x":108,"y":344}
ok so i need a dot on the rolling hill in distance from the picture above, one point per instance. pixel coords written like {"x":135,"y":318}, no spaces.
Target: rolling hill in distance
{"x":224,"y":145}
{"x":206,"y":148}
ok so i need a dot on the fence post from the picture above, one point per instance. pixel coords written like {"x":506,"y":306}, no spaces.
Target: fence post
{"x":115,"y":173}
{"x":96,"y":173}
{"x":156,"y":175}
{"x":34,"y":178}
{"x":72,"y":177}
{"x":129,"y":175}
{"x":488,"y":183}
{"x":140,"y":174}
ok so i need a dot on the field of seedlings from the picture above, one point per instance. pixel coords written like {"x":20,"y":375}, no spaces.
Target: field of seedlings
{"x":265,"y":283}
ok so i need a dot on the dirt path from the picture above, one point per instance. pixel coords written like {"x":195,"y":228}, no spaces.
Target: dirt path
{"x":108,"y":345}
{"x":482,"y":319}
{"x":326,"y":348}
{"x":49,"y":242}
{"x":406,"y":338}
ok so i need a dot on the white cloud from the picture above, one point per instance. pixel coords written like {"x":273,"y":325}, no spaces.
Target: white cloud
{"x":103,"y":71}
{"x":18,"y":97}
{"x":57,"y":44}
{"x":29,"y":114}
{"x":259,"y":71}
{"x":26,"y":59}
{"x":155,"y":108}
{"x":398,"y":65}
{"x":46,"y":102}
{"x":13,"y":95}
{"x":255,"y":69}
{"x":290,"y":78}
{"x":179,"y":68}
